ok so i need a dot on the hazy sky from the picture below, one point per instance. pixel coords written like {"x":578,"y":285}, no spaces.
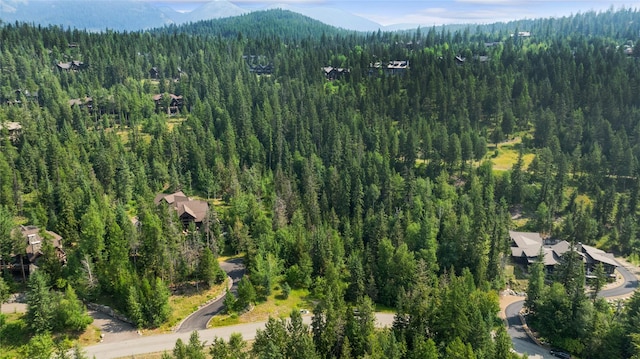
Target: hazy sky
{"x":437,"y":12}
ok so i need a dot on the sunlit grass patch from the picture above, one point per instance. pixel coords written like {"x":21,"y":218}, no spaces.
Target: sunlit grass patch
{"x":508,"y":155}
{"x":275,"y":306}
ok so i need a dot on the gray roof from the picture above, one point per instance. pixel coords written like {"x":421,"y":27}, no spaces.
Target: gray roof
{"x":529,"y":245}
{"x":598,"y":255}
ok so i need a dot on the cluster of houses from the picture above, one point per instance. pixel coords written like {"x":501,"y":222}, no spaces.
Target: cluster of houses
{"x":527,"y":247}
{"x":22,"y":264}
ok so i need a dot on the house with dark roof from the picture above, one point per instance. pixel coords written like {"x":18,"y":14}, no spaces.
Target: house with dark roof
{"x":526,"y":248}
{"x":74,"y":65}
{"x":335,"y":73}
{"x":154,"y":73}
{"x":259,"y":64}
{"x":34,"y":238}
{"x":175,"y":103}
{"x":189,"y":210}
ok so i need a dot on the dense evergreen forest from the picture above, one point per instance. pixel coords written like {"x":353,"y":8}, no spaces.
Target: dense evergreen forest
{"x":376,"y":187}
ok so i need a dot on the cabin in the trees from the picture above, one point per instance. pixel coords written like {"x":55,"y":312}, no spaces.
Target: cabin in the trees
{"x":154,"y":73}
{"x":72,"y":66}
{"x":460,"y":60}
{"x":171,"y":104}
{"x":86,"y":102}
{"x":261,"y":69}
{"x":21,"y":96}
{"x":14,"y":130}
{"x":394,"y":67}
{"x":522,"y":34}
{"x":189,"y":210}
{"x":335,"y":73}
{"x":258,"y":64}
{"x":526,"y":247}
{"x":34,"y":239}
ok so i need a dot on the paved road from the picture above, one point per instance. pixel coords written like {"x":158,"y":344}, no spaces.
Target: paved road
{"x":166,"y":342}
{"x":199,"y":319}
{"x":523,"y":344}
{"x":630,"y":284}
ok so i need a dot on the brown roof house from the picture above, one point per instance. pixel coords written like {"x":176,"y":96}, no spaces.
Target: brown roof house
{"x":14,"y":129}
{"x":72,"y":66}
{"x":173,"y":106}
{"x":189,"y":210}
{"x":526,"y":247}
{"x":34,"y":239}
{"x":86,"y":102}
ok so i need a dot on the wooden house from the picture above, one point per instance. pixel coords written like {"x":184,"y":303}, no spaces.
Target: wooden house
{"x":34,"y":239}
{"x":189,"y":210}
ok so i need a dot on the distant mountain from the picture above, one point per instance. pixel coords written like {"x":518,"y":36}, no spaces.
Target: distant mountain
{"x":92,"y":15}
{"x":216,"y":9}
{"x":334,"y":17}
{"x":134,"y":15}
{"x":270,"y":23}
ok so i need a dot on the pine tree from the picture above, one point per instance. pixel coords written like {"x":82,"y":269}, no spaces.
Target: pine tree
{"x":40,"y":304}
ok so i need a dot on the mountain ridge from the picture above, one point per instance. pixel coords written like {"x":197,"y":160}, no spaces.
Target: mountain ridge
{"x":137,"y":15}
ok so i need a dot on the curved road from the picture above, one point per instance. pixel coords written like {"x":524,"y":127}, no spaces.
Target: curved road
{"x":199,"y":319}
{"x":523,"y":344}
{"x":235,"y":269}
{"x":166,"y":342}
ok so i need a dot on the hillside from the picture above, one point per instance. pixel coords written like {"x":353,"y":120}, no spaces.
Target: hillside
{"x":274,"y":23}
{"x":347,"y":170}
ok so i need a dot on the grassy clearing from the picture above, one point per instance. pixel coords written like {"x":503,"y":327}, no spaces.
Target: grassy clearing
{"x":229,"y":257}
{"x":508,"y":155}
{"x":173,"y":121}
{"x":275,"y":306}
